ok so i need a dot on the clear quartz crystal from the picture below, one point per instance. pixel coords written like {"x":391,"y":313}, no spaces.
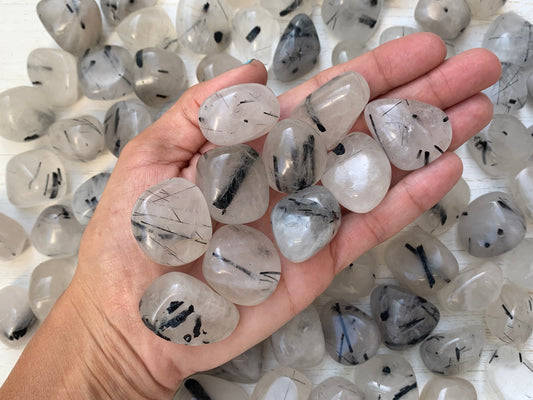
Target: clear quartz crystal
{"x":336,"y":388}
{"x":395,"y":32}
{"x":115,"y":11}
{"x":508,"y":373}
{"x":87,"y":195}
{"x":346,"y":50}
{"x":199,"y":387}
{"x":448,"y":388}
{"x":16,"y":316}
{"x":446,"y":18}
{"x":13,"y":238}
{"x":214,"y":65}
{"x":282,"y":383}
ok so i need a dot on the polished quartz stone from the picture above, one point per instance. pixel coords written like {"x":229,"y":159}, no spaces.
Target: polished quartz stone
{"x":404,"y":319}
{"x":184,"y":310}
{"x":412,"y":133}
{"x":285,"y":10}
{"x":448,"y":388}
{"x":294,"y":155}
{"x":234,"y":182}
{"x":75,"y":25}
{"x":206,"y":387}
{"x":395,"y":32}
{"x":474,"y":289}
{"x":445,"y":214}
{"x":16,"y":316}
{"x":282,"y":383}
{"x":57,"y":233}
{"x":123,"y":121}
{"x":352,"y":336}
{"x":106,"y":73}
{"x":484,"y":8}
{"x":54,"y":71}
{"x":245,"y":368}
{"x":300,"y":342}
{"x":204,"y":26}
{"x":171,"y":222}
{"x":48,"y":281}
{"x":12,"y":238}
{"x":305,"y":222}
{"x":116,"y":10}
{"x":87,"y":195}
{"x":509,"y":94}
{"x":25,"y":114}
{"x":358,"y":173}
{"x":509,"y":373}
{"x":386,"y":377}
{"x":446,"y":18}
{"x":420,"y":262}
{"x":214,"y":65}
{"x":81,"y":138}
{"x":346,"y":50}
{"x":333,"y":108}
{"x":491,"y":225}
{"x":522,"y":189}
{"x":453,"y":351}
{"x":298,"y":49}
{"x":336,"y":388}
{"x":518,"y":264}
{"x":35,"y":177}
{"x":238,"y":114}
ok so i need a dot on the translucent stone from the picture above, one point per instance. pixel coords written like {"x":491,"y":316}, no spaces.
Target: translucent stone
{"x":87,"y":195}
{"x":300,"y":342}
{"x":445,"y":214}
{"x":412,"y":133}
{"x":448,"y":388}
{"x":74,"y":25}
{"x":57,"y":233}
{"x":12,"y":238}
{"x":474,"y":289}
{"x":352,"y":337}
{"x":80,"y":138}
{"x":16,"y":316}
{"x":106,"y":73}
{"x":116,"y":10}
{"x":333,"y":108}
{"x":55,"y":72}
{"x":509,"y":94}
{"x":204,"y":26}
{"x":453,"y":351}
{"x":35,"y":177}
{"x":305,"y":222}
{"x":509,"y":374}
{"x":123,"y":121}
{"x":214,"y":65}
{"x":420,"y":262}
{"x":245,"y":368}
{"x":446,"y":18}
{"x":200,"y":387}
{"x":25,"y":114}
{"x":294,"y":156}
{"x":491,"y":225}
{"x":298,"y":49}
{"x":336,"y":388}
{"x":386,"y":377}
{"x":184,"y":310}
{"x":234,"y":182}
{"x":346,"y":50}
{"x":358,"y":173}
{"x":282,"y":383}
{"x":522,"y":189}
{"x":518,"y":264}
{"x":450,"y":49}
{"x":484,"y":8}
{"x":395,"y":32}
{"x":238,"y":114}
{"x":404,"y":319}
{"x":285,"y":10}
{"x":48,"y":281}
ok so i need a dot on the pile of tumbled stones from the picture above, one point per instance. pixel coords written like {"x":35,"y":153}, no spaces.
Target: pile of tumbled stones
{"x":233,"y":185}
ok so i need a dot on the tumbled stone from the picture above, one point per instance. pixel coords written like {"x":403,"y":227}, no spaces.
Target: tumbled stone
{"x":285,"y":10}
{"x":297,"y":50}
{"x":395,"y":32}
{"x":282,"y":383}
{"x":518,"y":264}
{"x":35,"y":177}
{"x":75,"y":25}
{"x":184,"y":310}
{"x":448,"y":388}
{"x":352,"y":337}
{"x":453,"y":351}
{"x":245,"y":368}
{"x":214,"y":65}
{"x":509,"y":93}
{"x":12,"y":238}
{"x":200,"y":387}
{"x":87,"y":195}
{"x":509,"y":374}
{"x":484,"y":8}
{"x":234,"y":182}
{"x":55,"y":72}
{"x":491,"y":225}
{"x":16,"y":316}
{"x":347,"y":50}
{"x":446,"y":18}
{"x":238,"y":114}
{"x":522,"y":189}
{"x":336,"y":388}
{"x":412,"y":133}
{"x":403,"y":318}
{"x":358,"y":173}
{"x":116,"y":10}
{"x":305,"y":222}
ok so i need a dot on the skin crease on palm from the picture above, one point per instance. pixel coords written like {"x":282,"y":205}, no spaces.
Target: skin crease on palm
{"x":94,"y":344}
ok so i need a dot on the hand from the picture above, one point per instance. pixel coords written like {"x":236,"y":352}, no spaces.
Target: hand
{"x":94,"y":340}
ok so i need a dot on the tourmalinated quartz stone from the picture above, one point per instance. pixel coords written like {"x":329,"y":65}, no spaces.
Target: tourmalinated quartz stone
{"x":171,"y":222}
{"x":55,"y":71}
{"x":484,"y":8}
{"x":446,"y":18}
{"x":57,"y":233}
{"x":491,"y":225}
{"x":87,"y":195}
{"x":358,"y":173}
{"x":106,"y":73}
{"x":298,"y":49}
{"x":75,"y":25}
{"x":300,"y":342}
{"x":395,"y":32}
{"x":448,"y":388}
{"x":48,"y":281}
{"x":282,"y":383}
{"x":245,"y":368}
{"x":204,"y":26}
{"x":184,"y":310}
{"x":352,"y":336}
{"x":234,"y":182}
{"x":386,"y":377}
{"x":305,"y":222}
{"x":346,"y":50}
{"x":25,"y":114}
{"x":404,"y":319}
{"x":518,"y":264}
{"x":200,"y":387}
{"x":453,"y":351}
{"x":336,"y":388}
{"x":285,"y":10}
{"x":12,"y":238}
{"x":214,"y":65}
{"x":34,"y":178}
{"x":80,"y":138}
{"x":509,"y":94}
{"x":294,"y":155}
{"x":412,"y":133}
{"x":509,"y":374}
{"x":116,"y":10}
{"x":522,"y":189}
{"x":420,"y":262}
{"x":16,"y":316}
{"x":238,"y":114}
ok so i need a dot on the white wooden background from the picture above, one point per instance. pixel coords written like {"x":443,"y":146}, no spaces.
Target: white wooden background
{"x":21,"y":31}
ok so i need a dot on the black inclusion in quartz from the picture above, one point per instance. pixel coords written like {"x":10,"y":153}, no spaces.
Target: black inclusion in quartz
{"x":308,"y":160}
{"x":339,"y":150}
{"x":421,"y":254}
{"x":139,"y":58}
{"x":218,"y":36}
{"x":312,"y":114}
{"x":196,"y":389}
{"x":290,"y":8}
{"x":441,"y":212}
{"x":368,"y":21}
{"x":252,"y":35}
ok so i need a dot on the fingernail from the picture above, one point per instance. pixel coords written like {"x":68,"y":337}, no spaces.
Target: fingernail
{"x":249,"y":61}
